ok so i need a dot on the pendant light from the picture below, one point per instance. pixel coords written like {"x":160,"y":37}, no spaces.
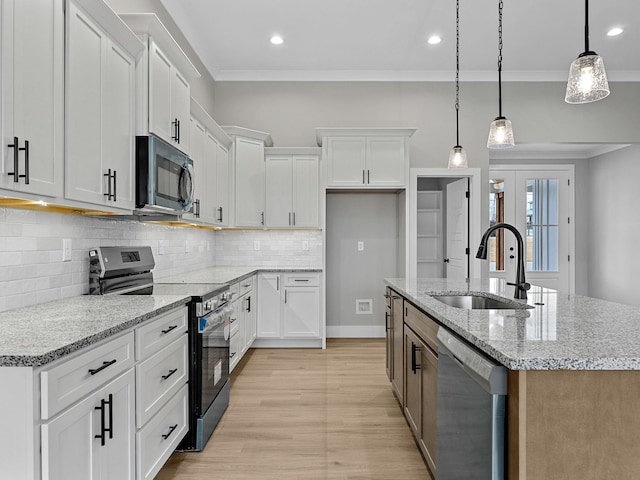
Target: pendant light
{"x":457,"y":156}
{"x":587,"y":78}
{"x":500,"y":133}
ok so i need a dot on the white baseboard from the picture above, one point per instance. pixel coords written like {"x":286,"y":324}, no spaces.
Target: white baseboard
{"x":287,"y":343}
{"x":355,"y":331}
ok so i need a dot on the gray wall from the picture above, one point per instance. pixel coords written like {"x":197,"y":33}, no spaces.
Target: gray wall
{"x":201,"y":88}
{"x":350,"y":274}
{"x":614,"y":231}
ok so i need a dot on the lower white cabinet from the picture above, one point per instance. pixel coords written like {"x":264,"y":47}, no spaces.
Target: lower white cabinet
{"x":94,"y":439}
{"x":243,"y":320}
{"x":289,"y":306}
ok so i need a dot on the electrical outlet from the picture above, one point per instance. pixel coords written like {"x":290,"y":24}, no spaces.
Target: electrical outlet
{"x":305,"y":245}
{"x":66,"y":250}
{"x":256,"y":245}
{"x":361,"y":246}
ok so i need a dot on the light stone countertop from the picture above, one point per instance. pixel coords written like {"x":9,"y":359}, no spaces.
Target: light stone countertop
{"x":36,"y":335}
{"x":567,"y":332}
{"x":228,"y":274}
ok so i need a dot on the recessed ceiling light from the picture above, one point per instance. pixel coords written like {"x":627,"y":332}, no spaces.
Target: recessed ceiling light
{"x":614,"y":32}
{"x":434,"y":40}
{"x":276,"y":40}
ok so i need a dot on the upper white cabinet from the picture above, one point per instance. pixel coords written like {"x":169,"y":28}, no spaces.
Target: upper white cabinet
{"x":101,"y":55}
{"x":292,"y":187}
{"x":32,"y":65}
{"x":210,"y":154}
{"x":163,"y":82}
{"x":366,"y":158}
{"x":249,"y":165}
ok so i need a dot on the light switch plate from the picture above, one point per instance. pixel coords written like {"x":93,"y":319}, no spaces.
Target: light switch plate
{"x":305,"y":245}
{"x":361,"y":246}
{"x":256,"y":244}
{"x":66,"y":250}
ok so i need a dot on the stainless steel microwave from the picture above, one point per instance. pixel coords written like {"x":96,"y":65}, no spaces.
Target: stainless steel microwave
{"x":164,"y":176}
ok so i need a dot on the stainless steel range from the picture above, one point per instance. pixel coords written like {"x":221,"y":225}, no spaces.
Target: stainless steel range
{"x":128,"y":271}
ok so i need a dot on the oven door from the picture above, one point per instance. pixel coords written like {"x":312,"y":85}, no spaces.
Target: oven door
{"x":215,"y":357}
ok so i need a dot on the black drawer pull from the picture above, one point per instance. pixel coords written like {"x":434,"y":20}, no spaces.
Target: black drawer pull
{"x":171,"y":372}
{"x":301,"y":280}
{"x":15,"y":147}
{"x":231,"y":320}
{"x":26,"y":162}
{"x":171,"y":429}
{"x":172,"y":327}
{"x":232,"y":355}
{"x":93,"y":371}
{"x":103,"y":428}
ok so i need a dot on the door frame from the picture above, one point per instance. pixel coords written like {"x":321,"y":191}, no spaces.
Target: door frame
{"x":475,"y":213}
{"x":571,"y":207}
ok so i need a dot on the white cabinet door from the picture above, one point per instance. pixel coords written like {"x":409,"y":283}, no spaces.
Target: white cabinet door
{"x":250,"y":329}
{"x":100,"y":116}
{"x":346,"y":162}
{"x":278,"y":191}
{"x":196,"y":141}
{"x":301,"y":312}
{"x":249,"y":157}
{"x":160,"y":80}
{"x":180,"y":106}
{"x":222,"y":186}
{"x":385,"y":162}
{"x":32,"y":55}
{"x":306,"y":204}
{"x":93,"y":439}
{"x":269,"y":324}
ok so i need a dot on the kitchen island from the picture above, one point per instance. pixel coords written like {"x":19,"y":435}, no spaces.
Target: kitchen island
{"x":573,"y":405}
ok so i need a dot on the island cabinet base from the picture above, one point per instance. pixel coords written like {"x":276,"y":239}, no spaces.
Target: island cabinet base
{"x":569,"y":424}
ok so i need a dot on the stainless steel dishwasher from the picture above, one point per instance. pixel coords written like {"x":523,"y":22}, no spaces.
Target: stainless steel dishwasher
{"x":471,"y":407}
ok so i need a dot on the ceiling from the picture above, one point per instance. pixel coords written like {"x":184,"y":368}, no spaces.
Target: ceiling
{"x":386,"y":39}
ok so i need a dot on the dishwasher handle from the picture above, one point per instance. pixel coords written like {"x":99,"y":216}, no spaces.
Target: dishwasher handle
{"x":486,"y":372}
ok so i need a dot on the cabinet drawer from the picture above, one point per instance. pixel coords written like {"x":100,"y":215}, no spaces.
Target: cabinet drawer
{"x":159,"y":438}
{"x":245,"y":286}
{"x":233,"y":290}
{"x":301,"y":280}
{"x":160,"y":332}
{"x":422,"y":324}
{"x":72,"y":379}
{"x":234,"y":321}
{"x":159,"y":377}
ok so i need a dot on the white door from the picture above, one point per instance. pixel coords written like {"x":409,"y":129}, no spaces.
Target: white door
{"x":180,"y":109}
{"x":197,"y":135}
{"x":346,"y":162}
{"x":457,"y":219}
{"x":539,"y":203}
{"x":249,"y":157}
{"x":385,"y":161}
{"x":269,"y":308}
{"x":222,"y":185}
{"x":278,"y":195}
{"x":306,"y":210}
{"x":300,"y":314}
{"x":160,"y":94}
{"x":208,"y":182}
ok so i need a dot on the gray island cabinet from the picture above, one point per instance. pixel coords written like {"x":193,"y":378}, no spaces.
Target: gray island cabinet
{"x":573,"y":375}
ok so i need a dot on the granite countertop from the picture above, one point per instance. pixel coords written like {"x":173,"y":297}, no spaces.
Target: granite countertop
{"x":228,"y":274}
{"x":36,"y":335}
{"x":566,"y":332}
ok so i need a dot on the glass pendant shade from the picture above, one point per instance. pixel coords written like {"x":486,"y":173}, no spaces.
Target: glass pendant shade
{"x":458,"y":158}
{"x":587,"y":79}
{"x":500,"y":134}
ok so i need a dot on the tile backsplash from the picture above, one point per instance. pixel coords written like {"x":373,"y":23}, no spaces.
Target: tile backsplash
{"x":32,"y":270}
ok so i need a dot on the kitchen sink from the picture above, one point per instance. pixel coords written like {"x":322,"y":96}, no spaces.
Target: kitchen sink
{"x":479,"y":302}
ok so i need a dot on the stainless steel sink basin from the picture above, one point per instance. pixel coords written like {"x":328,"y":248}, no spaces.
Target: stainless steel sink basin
{"x":478,"y":302}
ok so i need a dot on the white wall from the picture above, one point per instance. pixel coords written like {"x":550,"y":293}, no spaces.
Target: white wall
{"x":614,"y":229}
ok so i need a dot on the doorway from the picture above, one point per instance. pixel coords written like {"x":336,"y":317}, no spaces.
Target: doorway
{"x":443,"y":215}
{"x":538,"y":201}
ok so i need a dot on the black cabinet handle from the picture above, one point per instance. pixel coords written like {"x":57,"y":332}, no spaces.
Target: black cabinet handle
{"x":368,"y":177}
{"x":171,"y":328}
{"x":414,"y":365}
{"x":15,"y":147}
{"x":174,"y":124}
{"x":196,"y":208}
{"x":171,"y":429}
{"x":111,"y":194}
{"x":248,"y":303}
{"x":301,"y":280}
{"x":289,"y":218}
{"x":386,"y":321}
{"x":294,"y":219}
{"x":26,"y":162}
{"x":171,"y":372}
{"x":233,"y":354}
{"x":103,"y":428}
{"x":363,"y":182}
{"x":104,"y":365}
{"x":232,"y":320}
{"x":178,"y":130}
{"x":220,"y":217}
{"x":115,"y":186}
{"x":262,"y":218}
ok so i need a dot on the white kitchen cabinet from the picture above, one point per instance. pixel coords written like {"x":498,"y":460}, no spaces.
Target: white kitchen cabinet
{"x":243,"y":320}
{"x":291,"y":188}
{"x":163,"y":79}
{"x":94,"y":439}
{"x":289,"y":306}
{"x":32,"y":98}
{"x":249,"y":173}
{"x":366,"y":158}
{"x":100,"y":98}
{"x":210,"y":153}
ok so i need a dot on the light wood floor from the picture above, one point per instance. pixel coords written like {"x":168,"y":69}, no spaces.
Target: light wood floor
{"x":308,"y":414}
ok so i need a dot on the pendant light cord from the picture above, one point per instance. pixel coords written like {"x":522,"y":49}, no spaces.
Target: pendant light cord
{"x":586,"y":25}
{"x":457,"y":71}
{"x":500,"y":5}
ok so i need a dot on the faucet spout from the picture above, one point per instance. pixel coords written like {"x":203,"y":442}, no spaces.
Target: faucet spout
{"x":521,"y":284}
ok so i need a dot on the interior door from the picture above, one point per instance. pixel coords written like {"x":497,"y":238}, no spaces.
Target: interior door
{"x":456,"y":260}
{"x":538,"y":202}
